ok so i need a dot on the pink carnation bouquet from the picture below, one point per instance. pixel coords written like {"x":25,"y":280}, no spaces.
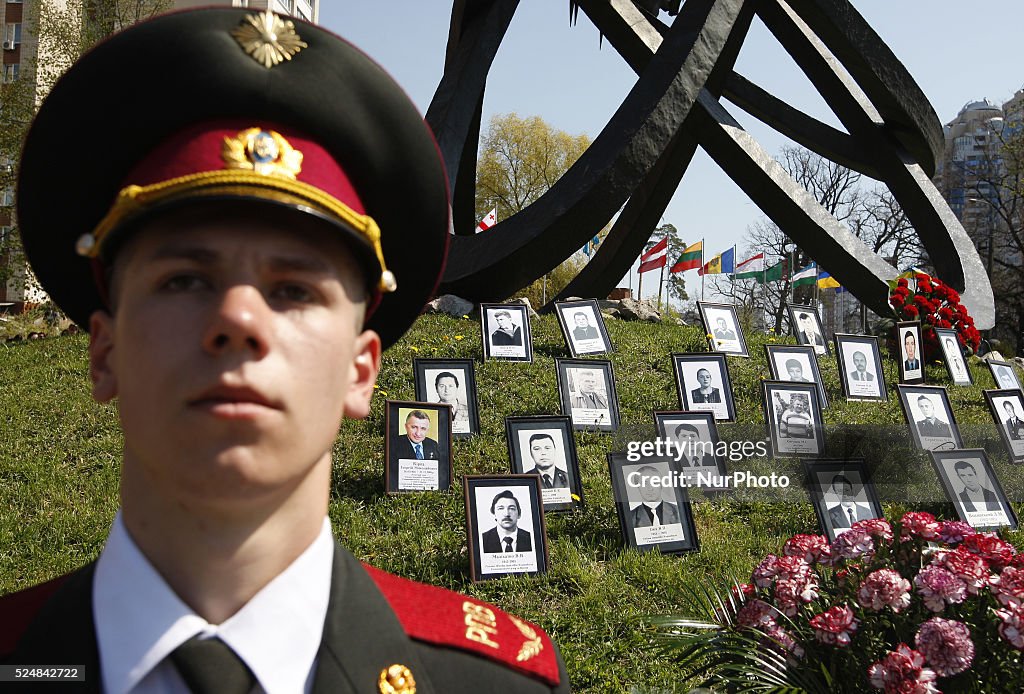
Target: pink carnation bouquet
{"x":915,"y":606}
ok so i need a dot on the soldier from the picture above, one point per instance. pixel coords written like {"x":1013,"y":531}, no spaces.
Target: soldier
{"x":234,"y":247}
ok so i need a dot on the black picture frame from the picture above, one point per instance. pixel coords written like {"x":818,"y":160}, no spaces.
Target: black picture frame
{"x":572,"y":384}
{"x":593,"y":340}
{"x":1010,"y":423}
{"x":871,"y":385}
{"x":908,"y":375}
{"x":794,"y":431}
{"x":994,"y":503}
{"x":547,"y":439}
{"x":637,"y":526}
{"x":826,"y":484}
{"x":697,"y":427}
{"x":929,"y":435}
{"x":517,"y":346}
{"x":956,"y":365}
{"x":434,"y":376}
{"x":780,"y":364}
{"x":805,"y":323}
{"x":1004,"y":375}
{"x":722,"y":325}
{"x":687,"y":367}
{"x":483,"y":539}
{"x":403,"y":472}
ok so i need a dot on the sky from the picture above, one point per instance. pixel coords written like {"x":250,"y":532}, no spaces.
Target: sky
{"x":957,"y":52}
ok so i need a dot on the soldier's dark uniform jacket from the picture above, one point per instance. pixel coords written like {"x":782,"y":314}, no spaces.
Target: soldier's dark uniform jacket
{"x":251,"y":108}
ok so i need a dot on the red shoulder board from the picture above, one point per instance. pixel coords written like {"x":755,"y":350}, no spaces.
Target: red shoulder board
{"x":446,"y":618}
{"x":17,"y":611}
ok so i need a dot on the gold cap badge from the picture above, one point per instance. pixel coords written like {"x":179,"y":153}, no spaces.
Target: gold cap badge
{"x":396,"y":679}
{"x":269,"y":39}
{"x":263,"y":151}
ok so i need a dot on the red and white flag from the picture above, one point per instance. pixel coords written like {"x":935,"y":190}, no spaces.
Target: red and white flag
{"x":656,"y":257}
{"x":487,"y":222}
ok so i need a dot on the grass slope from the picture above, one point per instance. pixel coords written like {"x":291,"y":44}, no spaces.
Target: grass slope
{"x":60,"y":453}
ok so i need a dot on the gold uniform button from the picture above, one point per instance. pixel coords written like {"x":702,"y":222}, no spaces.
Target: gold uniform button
{"x":396,"y":679}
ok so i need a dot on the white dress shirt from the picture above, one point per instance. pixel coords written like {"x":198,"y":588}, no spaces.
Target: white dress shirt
{"x":140,"y":621}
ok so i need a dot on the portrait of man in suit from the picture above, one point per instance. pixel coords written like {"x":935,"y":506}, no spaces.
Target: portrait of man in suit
{"x":1004,"y":376}
{"x":415,"y":444}
{"x":1013,"y":423}
{"x":807,"y":330}
{"x":722,"y":330}
{"x":689,"y":444}
{"x":544,"y":453}
{"x":587,"y":395}
{"x":975,"y":496}
{"x":653,"y":510}
{"x":844,"y":508}
{"x":506,"y":535}
{"x":955,"y":357}
{"x":706,"y":392}
{"x":929,"y":425}
{"x":910,"y":361}
{"x":583,"y":330}
{"x":507,"y":334}
{"x":860,"y":368}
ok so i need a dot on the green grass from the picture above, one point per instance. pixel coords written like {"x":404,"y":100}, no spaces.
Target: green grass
{"x":60,"y":453}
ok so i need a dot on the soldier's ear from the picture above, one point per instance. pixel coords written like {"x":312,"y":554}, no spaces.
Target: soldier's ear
{"x":364,"y":369}
{"x":101,"y":348}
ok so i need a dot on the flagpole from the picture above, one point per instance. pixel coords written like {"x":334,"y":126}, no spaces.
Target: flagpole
{"x":639,"y":284}
{"x":702,"y":273}
{"x":732,"y":282}
{"x":661,"y":280}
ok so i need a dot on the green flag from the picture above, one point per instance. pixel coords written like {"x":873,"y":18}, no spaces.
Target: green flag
{"x":776,"y":272}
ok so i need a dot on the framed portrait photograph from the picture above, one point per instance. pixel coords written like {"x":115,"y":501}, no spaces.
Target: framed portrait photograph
{"x":652,"y":504}
{"x":1004,"y":375}
{"x":910,"y":362}
{"x":806,"y":325}
{"x":695,"y":445}
{"x":723,"y":326}
{"x":583,"y":327}
{"x":929,"y":417}
{"x":971,"y":485}
{"x":1007,"y":408}
{"x":702,"y":381}
{"x":793,"y":415}
{"x":860,"y":367}
{"x":587,"y":388}
{"x":417,"y":448}
{"x":505,"y":529}
{"x":450,"y":382}
{"x":953,"y":356}
{"x":505,"y":329}
{"x":797,"y":365}
{"x":842,"y":494}
{"x":545,"y":446}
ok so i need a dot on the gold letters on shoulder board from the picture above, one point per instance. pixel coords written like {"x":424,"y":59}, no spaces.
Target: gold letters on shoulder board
{"x":269,"y":39}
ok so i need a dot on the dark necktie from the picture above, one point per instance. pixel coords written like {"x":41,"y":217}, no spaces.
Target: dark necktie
{"x":547,"y":481}
{"x":419,"y":451}
{"x":508,"y":544}
{"x":849,"y":512}
{"x":209,"y":666}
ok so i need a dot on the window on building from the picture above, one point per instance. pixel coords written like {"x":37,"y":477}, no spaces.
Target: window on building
{"x":283,"y":6}
{"x":5,"y":232}
{"x":12,"y":34}
{"x":7,"y":196}
{"x":304,"y":10}
{"x":10,"y":73}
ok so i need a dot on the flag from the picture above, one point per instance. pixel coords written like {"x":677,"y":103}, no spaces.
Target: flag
{"x":827,"y":281}
{"x":752,"y":267}
{"x":656,"y":257}
{"x":487,"y":222}
{"x":777,"y":272}
{"x":591,"y":245}
{"x":806,"y":276}
{"x":690,"y":259}
{"x":721,"y":263}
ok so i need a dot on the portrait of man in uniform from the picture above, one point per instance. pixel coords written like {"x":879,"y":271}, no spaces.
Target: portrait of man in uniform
{"x":240,"y":275}
{"x":929,"y":417}
{"x":505,"y":329}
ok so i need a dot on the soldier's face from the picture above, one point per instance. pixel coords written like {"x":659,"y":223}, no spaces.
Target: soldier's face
{"x":417,"y":429}
{"x":234,"y":351}
{"x":927,"y":409}
{"x":543,"y":452}
{"x":504,"y":322}
{"x":506,"y":514}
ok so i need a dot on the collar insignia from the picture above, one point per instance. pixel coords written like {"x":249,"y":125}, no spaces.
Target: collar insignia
{"x":263,"y":151}
{"x":268,"y":39}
